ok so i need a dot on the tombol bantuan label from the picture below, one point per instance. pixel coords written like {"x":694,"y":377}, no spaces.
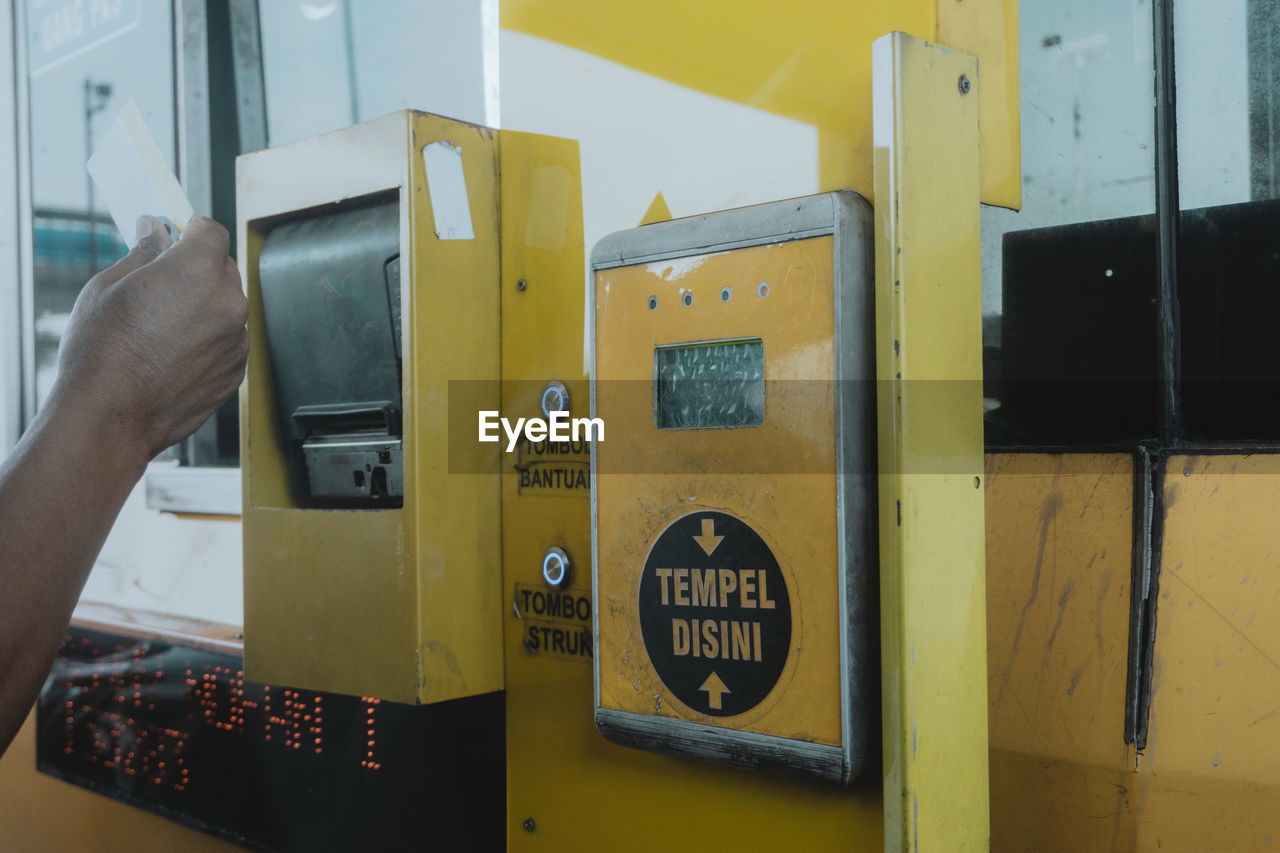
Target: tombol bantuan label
{"x":715,"y":614}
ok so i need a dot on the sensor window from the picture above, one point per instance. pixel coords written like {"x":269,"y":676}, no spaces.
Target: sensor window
{"x":710,"y":385}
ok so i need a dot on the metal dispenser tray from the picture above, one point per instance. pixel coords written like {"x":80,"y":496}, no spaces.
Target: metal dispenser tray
{"x":331,"y":302}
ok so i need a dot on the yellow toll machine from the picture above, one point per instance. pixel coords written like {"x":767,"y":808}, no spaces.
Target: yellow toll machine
{"x":372,"y":531}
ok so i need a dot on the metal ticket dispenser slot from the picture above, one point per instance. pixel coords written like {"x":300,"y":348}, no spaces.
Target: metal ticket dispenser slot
{"x":734,"y":503}
{"x":331,"y":301}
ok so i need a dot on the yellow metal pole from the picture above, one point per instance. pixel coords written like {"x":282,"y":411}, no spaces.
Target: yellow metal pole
{"x":929,"y":372}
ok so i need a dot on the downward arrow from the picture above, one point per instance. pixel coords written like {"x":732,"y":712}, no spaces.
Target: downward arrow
{"x":709,"y":540}
{"x":713,"y":685}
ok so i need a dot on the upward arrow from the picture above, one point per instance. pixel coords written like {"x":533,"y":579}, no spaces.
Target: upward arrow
{"x":708,"y":540}
{"x":715,"y":691}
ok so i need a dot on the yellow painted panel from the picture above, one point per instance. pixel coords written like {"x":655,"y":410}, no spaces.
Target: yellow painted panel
{"x":929,"y":371}
{"x":453,"y":335}
{"x":579,"y":790}
{"x":1211,"y":770}
{"x":809,"y":61}
{"x":1061,"y":779}
{"x":317,"y":612}
{"x":40,"y":814}
{"x":1053,"y":806}
{"x":795,"y":514}
{"x":988,"y":29}
{"x":1059,"y":545}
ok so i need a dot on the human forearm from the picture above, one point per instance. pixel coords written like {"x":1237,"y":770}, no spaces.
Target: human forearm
{"x":154,"y":345}
{"x":60,"y":492}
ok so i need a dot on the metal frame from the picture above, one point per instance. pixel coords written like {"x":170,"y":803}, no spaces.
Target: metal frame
{"x":194,"y":487}
{"x":846,"y":217}
{"x":191,"y":96}
{"x":933,"y":632}
{"x":246,"y":58}
{"x":1147,"y":553}
{"x":10,"y":301}
{"x":1149,"y":508}
{"x":26,"y":237}
{"x":1169,"y":329}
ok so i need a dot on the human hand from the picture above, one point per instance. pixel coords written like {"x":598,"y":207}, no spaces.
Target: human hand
{"x":157,"y":341}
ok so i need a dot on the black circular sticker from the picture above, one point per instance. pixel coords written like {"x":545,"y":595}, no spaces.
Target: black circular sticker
{"x":715,"y":614}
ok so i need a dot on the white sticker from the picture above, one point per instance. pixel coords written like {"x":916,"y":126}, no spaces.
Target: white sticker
{"x":133,"y":177}
{"x":448,"y":188}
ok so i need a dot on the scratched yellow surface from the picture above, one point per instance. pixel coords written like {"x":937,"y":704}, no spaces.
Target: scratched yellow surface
{"x":1059,"y":539}
{"x":1061,"y":777}
{"x":929,"y":416}
{"x":1210,"y":776}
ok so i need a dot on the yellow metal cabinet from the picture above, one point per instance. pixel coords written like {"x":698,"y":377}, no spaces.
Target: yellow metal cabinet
{"x":399,"y":599}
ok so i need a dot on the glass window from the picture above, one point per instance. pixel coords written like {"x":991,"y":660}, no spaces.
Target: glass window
{"x":713,"y":384}
{"x":1228,"y":89}
{"x":1069,"y":326}
{"x":1228,"y":62}
{"x":372,"y":58}
{"x":85,"y":61}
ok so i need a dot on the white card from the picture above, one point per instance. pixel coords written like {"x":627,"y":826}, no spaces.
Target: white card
{"x":133,"y":178}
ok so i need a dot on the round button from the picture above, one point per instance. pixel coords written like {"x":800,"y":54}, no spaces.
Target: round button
{"x":556,"y":567}
{"x":555,"y":398}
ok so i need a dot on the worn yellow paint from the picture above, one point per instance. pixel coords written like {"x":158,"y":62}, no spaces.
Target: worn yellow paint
{"x":1210,"y":775}
{"x":809,"y":61}
{"x":1059,"y":545}
{"x":929,"y":372}
{"x":41,"y":814}
{"x":696,"y":466}
{"x":401,"y":604}
{"x":1061,"y":776}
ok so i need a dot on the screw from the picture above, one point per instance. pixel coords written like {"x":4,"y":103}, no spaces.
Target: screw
{"x":964,"y":85}
{"x":522,"y":284}
{"x":528,"y":824}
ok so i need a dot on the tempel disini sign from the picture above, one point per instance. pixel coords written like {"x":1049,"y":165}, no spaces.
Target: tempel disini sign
{"x":734,"y":504}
